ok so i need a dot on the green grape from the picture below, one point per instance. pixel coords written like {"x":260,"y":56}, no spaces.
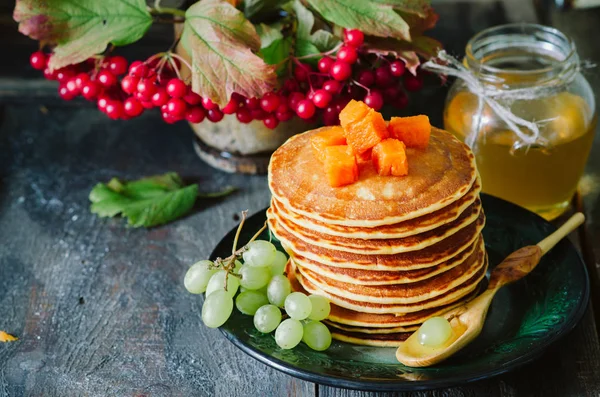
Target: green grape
{"x":259,"y":253}
{"x":237,"y":266}
{"x":254,"y":277}
{"x":279,"y":262}
{"x":320,"y":307}
{"x":434,"y":332}
{"x":316,"y":335}
{"x":262,"y":290}
{"x":289,"y":333}
{"x":217,"y":282}
{"x":248,"y":302}
{"x":278,"y":289}
{"x":197,"y":277}
{"x":267,"y":318}
{"x":297,"y":305}
{"x":216,"y":309}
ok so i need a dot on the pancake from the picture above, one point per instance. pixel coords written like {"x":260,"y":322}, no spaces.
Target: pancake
{"x":379,"y":246}
{"x":378,"y":340}
{"x":435,"y":254}
{"x":402,"y":293}
{"x":343,"y":316}
{"x":370,"y":277}
{"x":399,"y":309}
{"x":372,"y":330}
{"x":439,"y":176}
{"x":398,"y":230}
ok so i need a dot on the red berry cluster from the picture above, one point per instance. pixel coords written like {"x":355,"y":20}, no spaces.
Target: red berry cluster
{"x":309,"y":94}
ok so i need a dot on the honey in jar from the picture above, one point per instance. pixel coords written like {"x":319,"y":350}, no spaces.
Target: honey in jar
{"x":542,"y":176}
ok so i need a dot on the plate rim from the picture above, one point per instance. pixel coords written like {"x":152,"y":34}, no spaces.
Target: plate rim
{"x":418,"y":385}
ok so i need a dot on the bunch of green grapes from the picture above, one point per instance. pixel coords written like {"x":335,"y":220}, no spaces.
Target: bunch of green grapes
{"x":263,"y":292}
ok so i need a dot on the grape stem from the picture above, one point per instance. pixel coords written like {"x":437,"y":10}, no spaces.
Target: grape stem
{"x":228,"y":264}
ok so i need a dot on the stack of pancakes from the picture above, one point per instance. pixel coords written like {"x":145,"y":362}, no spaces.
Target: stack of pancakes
{"x":389,"y":252}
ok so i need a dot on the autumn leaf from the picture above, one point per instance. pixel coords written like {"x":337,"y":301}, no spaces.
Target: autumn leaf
{"x":372,"y":18}
{"x":222,"y":43}
{"x":419,"y":7}
{"x":407,"y":51}
{"x":310,"y":43}
{"x":6,"y":337}
{"x":81,"y":28}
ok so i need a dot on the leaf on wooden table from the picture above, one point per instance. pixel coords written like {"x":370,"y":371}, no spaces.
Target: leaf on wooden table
{"x":222,"y":43}
{"x":372,"y":18}
{"x":82,"y":28}
{"x":148,"y":201}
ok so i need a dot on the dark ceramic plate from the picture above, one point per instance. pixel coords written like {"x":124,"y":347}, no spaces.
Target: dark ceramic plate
{"x":524,"y":319}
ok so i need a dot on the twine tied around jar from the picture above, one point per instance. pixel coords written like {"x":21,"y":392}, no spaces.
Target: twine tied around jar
{"x":445,"y":64}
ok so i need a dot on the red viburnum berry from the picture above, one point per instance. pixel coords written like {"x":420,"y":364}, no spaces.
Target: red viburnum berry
{"x":397,"y":68}
{"x":340,"y":71}
{"x":269,"y":102}
{"x":117,"y":65}
{"x":271,"y":121}
{"x":347,"y":54}
{"x":354,"y":37}
{"x":38,"y":60}
{"x":176,"y":88}
{"x":374,"y":99}
{"x":214,"y":115}
{"x":195,"y":114}
{"x":305,"y":109}
{"x":324,"y":64}
{"x":106,"y":78}
{"x":132,"y":107}
{"x":90,"y":90}
{"x":243,"y":115}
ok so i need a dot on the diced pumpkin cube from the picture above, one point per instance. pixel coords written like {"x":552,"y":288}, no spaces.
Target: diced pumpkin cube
{"x":353,"y":111}
{"x":363,"y":126}
{"x":389,"y":158}
{"x":414,"y":131}
{"x":340,"y":166}
{"x":332,"y":136}
{"x":364,"y":157}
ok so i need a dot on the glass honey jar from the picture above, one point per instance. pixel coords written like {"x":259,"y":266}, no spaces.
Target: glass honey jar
{"x":543,"y":64}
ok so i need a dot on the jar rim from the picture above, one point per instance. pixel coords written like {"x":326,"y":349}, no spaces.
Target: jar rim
{"x":566,"y":44}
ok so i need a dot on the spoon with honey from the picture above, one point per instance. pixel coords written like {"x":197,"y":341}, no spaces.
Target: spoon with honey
{"x":440,"y":337}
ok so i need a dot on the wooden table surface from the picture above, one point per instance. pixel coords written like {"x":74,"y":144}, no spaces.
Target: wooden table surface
{"x":101,"y":310}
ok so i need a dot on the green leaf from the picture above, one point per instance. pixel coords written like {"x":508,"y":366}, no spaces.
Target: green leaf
{"x":277,"y":53}
{"x":324,"y":40}
{"x":306,"y":48}
{"x":321,"y":39}
{"x":253,"y":7}
{"x":161,"y":209}
{"x":372,"y":18}
{"x":82,"y":28}
{"x":222,"y":43}
{"x":148,"y":201}
{"x":268,"y":34}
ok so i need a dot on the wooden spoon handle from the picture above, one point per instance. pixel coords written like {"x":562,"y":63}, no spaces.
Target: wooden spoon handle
{"x":524,"y":260}
{"x":570,"y":225}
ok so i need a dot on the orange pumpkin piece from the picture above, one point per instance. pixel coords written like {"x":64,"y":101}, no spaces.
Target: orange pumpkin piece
{"x":353,"y":111}
{"x":389,"y":158}
{"x":414,"y":131}
{"x":363,"y":126}
{"x":331,"y":136}
{"x":364,"y":157}
{"x":340,"y":166}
